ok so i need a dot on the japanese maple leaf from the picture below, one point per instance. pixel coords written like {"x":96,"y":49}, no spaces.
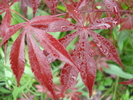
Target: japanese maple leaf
{"x":127,"y":24}
{"x":82,"y":54}
{"x":5,"y":24}
{"x":68,"y":76}
{"x":82,"y":3}
{"x":48,"y":94}
{"x":24,"y":4}
{"x":52,"y":4}
{"x":74,"y":94}
{"x":99,"y":57}
{"x":35,"y":30}
{"x":128,"y":82}
{"x":32,"y":3}
{"x":112,"y":5}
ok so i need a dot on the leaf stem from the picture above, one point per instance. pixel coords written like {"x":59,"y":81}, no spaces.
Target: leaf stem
{"x":60,"y":14}
{"x":116,"y":85}
{"x":19,"y":15}
{"x":127,"y":11}
{"x":109,"y":90}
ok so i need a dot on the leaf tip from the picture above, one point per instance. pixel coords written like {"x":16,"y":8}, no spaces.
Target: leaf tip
{"x":120,"y":63}
{"x":90,"y":92}
{"x":18,"y":83}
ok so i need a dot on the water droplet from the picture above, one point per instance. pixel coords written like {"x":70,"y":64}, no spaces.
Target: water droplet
{"x":56,"y":55}
{"x":98,"y":21}
{"x":108,"y":5}
{"x":64,"y":28}
{"x":75,"y":11}
{"x":115,"y":9}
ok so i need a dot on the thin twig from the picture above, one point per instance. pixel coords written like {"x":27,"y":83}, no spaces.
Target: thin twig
{"x":128,"y":11}
{"x":19,"y":15}
{"x":60,"y":14}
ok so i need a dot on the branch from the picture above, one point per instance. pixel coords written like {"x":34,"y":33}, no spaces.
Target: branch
{"x":19,"y":15}
{"x":128,"y":11}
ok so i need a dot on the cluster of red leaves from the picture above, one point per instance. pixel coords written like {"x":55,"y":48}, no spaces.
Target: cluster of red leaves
{"x":81,"y":60}
{"x":100,"y":59}
{"x":129,"y":82}
{"x":74,"y":95}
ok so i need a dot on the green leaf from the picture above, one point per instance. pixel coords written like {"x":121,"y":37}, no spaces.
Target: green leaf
{"x":108,"y":82}
{"x":124,"y":6}
{"x":116,"y":70}
{"x":131,"y":37}
{"x":126,"y":95}
{"x":60,"y":7}
{"x":28,"y":71}
{"x":16,"y":19}
{"x":18,"y":90}
{"x":55,"y":34}
{"x":3,"y":90}
{"x":124,"y":34}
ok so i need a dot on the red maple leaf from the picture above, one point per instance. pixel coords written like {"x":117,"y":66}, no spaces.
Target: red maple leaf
{"x":5,"y":23}
{"x":128,"y":82}
{"x":127,"y":24}
{"x":32,"y":3}
{"x":52,"y":4}
{"x":82,"y":54}
{"x":38,"y":61}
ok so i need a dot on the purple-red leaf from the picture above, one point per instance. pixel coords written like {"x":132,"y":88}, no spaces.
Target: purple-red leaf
{"x":82,"y":3}
{"x":69,"y":75}
{"x":50,"y":58}
{"x":53,"y":46}
{"x":17,"y":57}
{"x":13,"y":1}
{"x":24,"y":5}
{"x":5,"y":24}
{"x":128,"y":23}
{"x":74,"y":13}
{"x":3,"y":5}
{"x":103,"y":23}
{"x":12,"y":30}
{"x":5,"y":1}
{"x":111,"y":4}
{"x":52,"y":4}
{"x":64,"y":41}
{"x":40,"y":65}
{"x":87,"y":63}
{"x":128,"y":82}
{"x":68,"y":38}
{"x":34,"y":5}
{"x":106,"y":47}
{"x":52,"y":24}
